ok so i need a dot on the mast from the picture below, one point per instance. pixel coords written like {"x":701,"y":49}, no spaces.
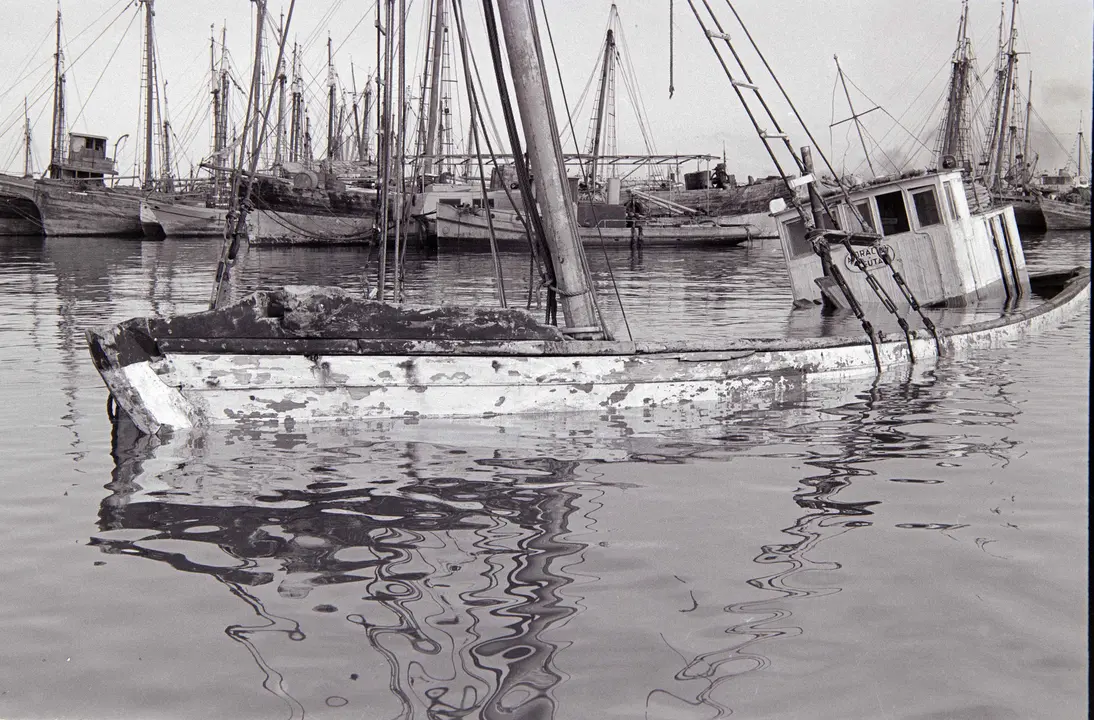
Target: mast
{"x":168,"y":180}
{"x":148,"y":89}
{"x":433,"y":112}
{"x":279,"y":144}
{"x":1079,"y":170}
{"x":57,"y":138}
{"x":365,"y":137}
{"x":222,"y":130}
{"x":575,"y":289}
{"x":1008,"y":75}
{"x":854,"y":117}
{"x":384,"y":173}
{"x":952,"y":142}
{"x":598,"y":127}
{"x":296,"y":118}
{"x":26,"y":141}
{"x":332,"y":141}
{"x":358,"y":138}
{"x":256,"y":82}
{"x":1026,"y":166}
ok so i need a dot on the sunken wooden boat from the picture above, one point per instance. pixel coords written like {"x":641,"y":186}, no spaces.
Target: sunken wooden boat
{"x":310,"y":354}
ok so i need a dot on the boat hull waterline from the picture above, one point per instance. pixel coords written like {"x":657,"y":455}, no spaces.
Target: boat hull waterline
{"x":368,"y":379}
{"x":1061,"y":215}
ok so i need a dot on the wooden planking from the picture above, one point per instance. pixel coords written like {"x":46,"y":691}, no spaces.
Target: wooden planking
{"x":179,"y":391}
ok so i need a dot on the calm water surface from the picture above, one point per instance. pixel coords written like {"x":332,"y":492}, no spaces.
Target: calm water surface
{"x":912,"y":548}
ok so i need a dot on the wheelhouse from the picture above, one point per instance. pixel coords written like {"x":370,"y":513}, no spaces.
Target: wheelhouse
{"x":944,"y":250}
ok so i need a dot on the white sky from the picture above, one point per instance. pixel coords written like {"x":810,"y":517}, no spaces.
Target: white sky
{"x":896,"y":51}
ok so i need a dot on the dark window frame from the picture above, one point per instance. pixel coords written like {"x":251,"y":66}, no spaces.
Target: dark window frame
{"x":898,"y":223}
{"x":926,"y":214}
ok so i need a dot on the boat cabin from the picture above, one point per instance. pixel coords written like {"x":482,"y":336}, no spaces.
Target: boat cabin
{"x":944,"y":252}
{"x":86,"y":160}
{"x":1060,"y":182}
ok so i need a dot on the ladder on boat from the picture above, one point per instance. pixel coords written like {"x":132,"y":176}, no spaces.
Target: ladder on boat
{"x":822,"y":229}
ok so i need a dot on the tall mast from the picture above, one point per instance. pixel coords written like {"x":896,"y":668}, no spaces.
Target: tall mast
{"x":365,"y":137}
{"x":433,"y":112}
{"x":854,"y":117}
{"x":601,"y":103}
{"x":1079,"y":170}
{"x":26,"y":140}
{"x":384,"y":171}
{"x":575,"y":288}
{"x":952,"y":144}
{"x":356,"y":115}
{"x":256,"y":82}
{"x":214,"y":88}
{"x":168,"y":180}
{"x":57,"y":139}
{"x":1008,"y":80}
{"x":279,"y":144}
{"x":296,"y":113}
{"x":332,"y":142}
{"x":149,"y":79}
{"x":1026,"y":166}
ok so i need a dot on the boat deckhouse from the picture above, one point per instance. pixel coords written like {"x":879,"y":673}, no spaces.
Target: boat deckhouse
{"x":86,"y":160}
{"x":922,"y":221}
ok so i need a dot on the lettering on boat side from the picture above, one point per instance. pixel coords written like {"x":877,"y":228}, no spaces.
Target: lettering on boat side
{"x":870,"y":257}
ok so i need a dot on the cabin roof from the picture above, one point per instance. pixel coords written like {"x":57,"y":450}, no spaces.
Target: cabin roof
{"x":87,"y":135}
{"x":913,"y":178}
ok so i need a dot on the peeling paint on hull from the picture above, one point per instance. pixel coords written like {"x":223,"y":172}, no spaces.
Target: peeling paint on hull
{"x":179,"y":390}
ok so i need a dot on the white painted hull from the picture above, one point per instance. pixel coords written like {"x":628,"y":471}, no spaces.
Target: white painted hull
{"x":465,"y":224}
{"x":367,"y":379}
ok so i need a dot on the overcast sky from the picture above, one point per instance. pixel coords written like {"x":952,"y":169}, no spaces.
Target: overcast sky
{"x":895,"y":52}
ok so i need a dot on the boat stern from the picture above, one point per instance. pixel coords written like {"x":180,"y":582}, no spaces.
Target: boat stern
{"x":125,"y":358}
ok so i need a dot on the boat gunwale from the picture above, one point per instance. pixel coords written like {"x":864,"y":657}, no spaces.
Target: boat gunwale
{"x":1073,"y":282}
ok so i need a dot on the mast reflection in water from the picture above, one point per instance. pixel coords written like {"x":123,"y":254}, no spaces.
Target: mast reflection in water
{"x":459,"y":559}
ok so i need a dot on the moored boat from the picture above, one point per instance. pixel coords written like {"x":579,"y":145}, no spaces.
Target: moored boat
{"x":76,"y":201}
{"x":468,"y":224}
{"x":178,"y":219}
{"x":1064,"y":215}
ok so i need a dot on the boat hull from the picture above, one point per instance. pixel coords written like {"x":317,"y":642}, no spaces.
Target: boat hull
{"x":1028,"y":214}
{"x":470,"y":225}
{"x":175,"y":382}
{"x":75,"y":209}
{"x":19,"y":217}
{"x":278,"y":227}
{"x":1060,"y":215}
{"x":181,"y":220}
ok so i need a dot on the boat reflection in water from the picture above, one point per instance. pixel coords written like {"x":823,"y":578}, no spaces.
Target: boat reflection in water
{"x":470,"y":547}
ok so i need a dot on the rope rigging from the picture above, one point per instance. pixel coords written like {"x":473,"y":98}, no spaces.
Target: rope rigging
{"x":821,"y":215}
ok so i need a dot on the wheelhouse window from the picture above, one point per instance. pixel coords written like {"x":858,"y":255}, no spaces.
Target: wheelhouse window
{"x":926,"y":207}
{"x":892,"y":213}
{"x":867,"y":222}
{"x":795,"y":233}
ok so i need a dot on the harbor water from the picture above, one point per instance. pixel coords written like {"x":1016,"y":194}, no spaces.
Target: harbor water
{"x":912,"y":547}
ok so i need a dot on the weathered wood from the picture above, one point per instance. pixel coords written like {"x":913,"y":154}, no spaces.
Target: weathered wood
{"x":175,"y":389}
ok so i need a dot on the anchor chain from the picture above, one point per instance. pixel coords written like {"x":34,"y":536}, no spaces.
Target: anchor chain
{"x":824,"y":251}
